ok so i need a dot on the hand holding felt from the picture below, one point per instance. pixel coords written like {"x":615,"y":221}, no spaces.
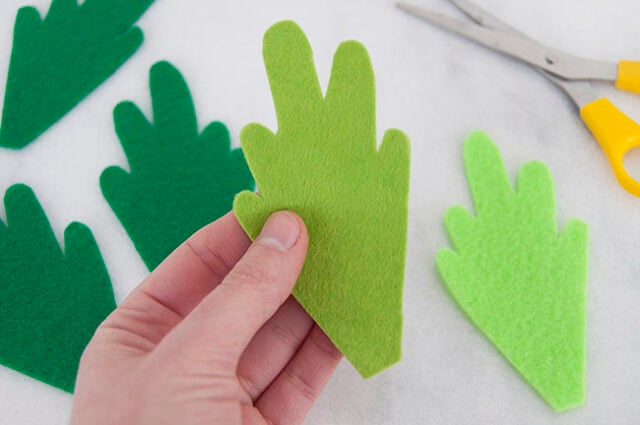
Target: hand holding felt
{"x":57,"y":61}
{"x":517,"y":279}
{"x":51,"y":301}
{"x":323,"y":164}
{"x":211,"y":336}
{"x":179,"y":180}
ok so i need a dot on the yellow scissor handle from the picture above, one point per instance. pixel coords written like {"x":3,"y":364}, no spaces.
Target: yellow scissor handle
{"x":628,"y":76}
{"x":617,"y":134}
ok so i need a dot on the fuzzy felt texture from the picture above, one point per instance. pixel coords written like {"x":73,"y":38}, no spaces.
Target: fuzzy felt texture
{"x":57,"y":61}
{"x":179,"y":180}
{"x":323,"y":164}
{"x":51,"y":302}
{"x":519,"y":280}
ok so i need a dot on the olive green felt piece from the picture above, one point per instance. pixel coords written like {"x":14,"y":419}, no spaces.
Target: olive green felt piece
{"x":51,"y":302}
{"x":179,"y":180}
{"x":323,"y":164}
{"x":519,"y":280}
{"x":57,"y":61}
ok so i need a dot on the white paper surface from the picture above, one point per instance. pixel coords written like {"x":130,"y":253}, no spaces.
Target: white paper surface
{"x":436,"y":87}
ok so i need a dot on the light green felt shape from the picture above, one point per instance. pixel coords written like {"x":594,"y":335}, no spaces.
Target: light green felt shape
{"x":323,"y":164}
{"x":57,"y":61}
{"x":179,"y":179}
{"x":518,"y":280}
{"x":51,"y":302}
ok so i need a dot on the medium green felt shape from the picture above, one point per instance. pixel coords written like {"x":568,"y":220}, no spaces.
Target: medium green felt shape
{"x":57,"y":61}
{"x":179,"y":180}
{"x":51,"y":302}
{"x":323,"y":164}
{"x":518,"y":280}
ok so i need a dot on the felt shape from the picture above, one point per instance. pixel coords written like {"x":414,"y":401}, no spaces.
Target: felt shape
{"x":520,"y":281}
{"x":179,"y":180}
{"x":51,"y":302}
{"x":57,"y":61}
{"x":323,"y":164}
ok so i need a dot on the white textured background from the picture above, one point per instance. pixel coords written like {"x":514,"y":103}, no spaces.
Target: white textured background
{"x":436,"y":87}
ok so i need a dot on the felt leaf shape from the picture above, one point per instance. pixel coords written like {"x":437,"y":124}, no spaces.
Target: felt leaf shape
{"x":51,"y":302}
{"x":179,"y":180}
{"x":517,"y":279}
{"x":323,"y":164}
{"x":57,"y":61}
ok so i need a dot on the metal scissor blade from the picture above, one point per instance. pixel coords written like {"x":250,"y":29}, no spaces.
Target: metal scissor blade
{"x":580,"y":92}
{"x":483,"y":18}
{"x":513,"y":44}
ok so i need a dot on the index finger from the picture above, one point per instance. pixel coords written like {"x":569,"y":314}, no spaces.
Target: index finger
{"x":195,"y":268}
{"x":486,"y":174}
{"x":292,"y":74}
{"x":351,"y":96}
{"x":174,"y":113}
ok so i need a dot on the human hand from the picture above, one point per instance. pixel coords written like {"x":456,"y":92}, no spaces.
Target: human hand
{"x":212,"y":336}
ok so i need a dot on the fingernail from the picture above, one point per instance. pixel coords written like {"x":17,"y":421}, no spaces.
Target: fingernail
{"x":281,"y":231}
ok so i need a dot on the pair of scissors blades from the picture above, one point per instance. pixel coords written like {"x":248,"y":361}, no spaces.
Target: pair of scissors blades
{"x":616,"y":133}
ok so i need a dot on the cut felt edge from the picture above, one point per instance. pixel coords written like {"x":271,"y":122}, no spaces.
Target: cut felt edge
{"x":248,"y":223}
{"x":578,"y":399}
{"x":360,"y":312}
{"x":459,"y":221}
{"x":76,"y":283}
{"x":186,"y":177}
{"x":37,"y":96}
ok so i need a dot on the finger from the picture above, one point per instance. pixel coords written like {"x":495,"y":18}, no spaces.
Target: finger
{"x":219,"y":329}
{"x":120,"y":18}
{"x":181,"y":281}
{"x":133,"y":130}
{"x":395,"y":153}
{"x":253,"y":139}
{"x":488,"y":179}
{"x":114,"y":183}
{"x":216,"y":142}
{"x":25,"y":216}
{"x":124,"y":46}
{"x":174,"y":114}
{"x":289,"y":398}
{"x":216,"y":137}
{"x":351,"y":95}
{"x":460,"y":226}
{"x":292,"y":74}
{"x":273,"y":347}
{"x":252,"y":211}
{"x":394,"y":161}
{"x":81,"y":250}
{"x":27,"y":21}
{"x":198,"y":265}
{"x":536,"y":197}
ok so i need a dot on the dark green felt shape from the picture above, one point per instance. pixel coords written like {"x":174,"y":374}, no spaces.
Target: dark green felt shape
{"x":51,"y":302}
{"x":57,"y":61}
{"x":519,"y":280}
{"x":324,"y":165}
{"x":179,"y":180}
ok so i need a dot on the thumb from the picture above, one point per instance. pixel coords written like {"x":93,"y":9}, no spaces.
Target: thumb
{"x":225,"y":321}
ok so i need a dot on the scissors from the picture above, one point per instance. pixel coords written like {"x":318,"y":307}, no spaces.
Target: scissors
{"x":616,"y":133}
